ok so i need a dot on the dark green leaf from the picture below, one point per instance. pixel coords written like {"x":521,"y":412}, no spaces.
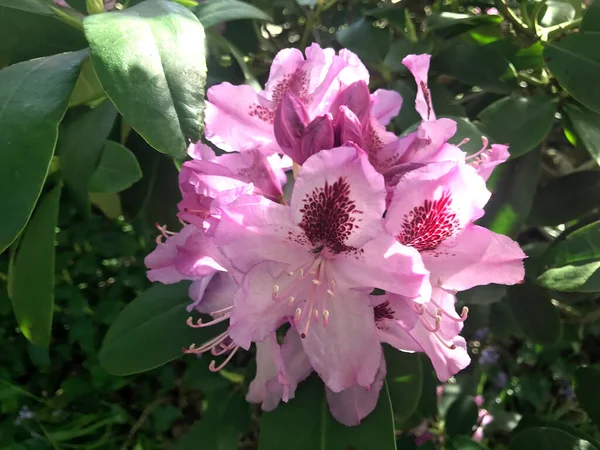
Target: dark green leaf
{"x":574,"y":61}
{"x":401,"y":48}
{"x":408,"y":116}
{"x":512,"y":194}
{"x":31,"y":276}
{"x":155,"y":76}
{"x":575,"y":262}
{"x":520,"y":122}
{"x":404,"y":381}
{"x":548,"y":439}
{"x":556,"y":12}
{"x":136,"y":340}
{"x":535,"y":422}
{"x":30,"y":6}
{"x":308,"y":420}
{"x":370,"y":43}
{"x":538,"y":318}
{"x":219,"y":11}
{"x":483,"y":295}
{"x":587,"y":126}
{"x":465,"y":443}
{"x":587,"y":380}
{"x":591,"y":19}
{"x":109,"y":204}
{"x":24,"y":36}
{"x":33,"y":99}
{"x":474,"y":65}
{"x":461,"y":416}
{"x":117,"y":169}
{"x":566,"y":198}
{"x":447,"y":24}
{"x":80,"y":145}
{"x":87,"y":88}
{"x":465,"y":129}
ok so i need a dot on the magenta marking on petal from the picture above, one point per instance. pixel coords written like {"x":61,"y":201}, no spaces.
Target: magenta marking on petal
{"x":427,"y":226}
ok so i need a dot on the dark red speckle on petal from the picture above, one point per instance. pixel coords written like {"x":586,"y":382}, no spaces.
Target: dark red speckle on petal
{"x":426,"y":226}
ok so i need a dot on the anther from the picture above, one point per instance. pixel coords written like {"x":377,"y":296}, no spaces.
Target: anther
{"x":325,"y":317}
{"x":275,"y":292}
{"x":317,"y":282}
{"x":290,"y":274}
{"x":297,"y":314}
{"x":316,"y":314}
{"x":330,"y":293}
{"x":291,"y":300}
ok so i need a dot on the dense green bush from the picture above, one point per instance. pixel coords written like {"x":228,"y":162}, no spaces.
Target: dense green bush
{"x":92,"y":136}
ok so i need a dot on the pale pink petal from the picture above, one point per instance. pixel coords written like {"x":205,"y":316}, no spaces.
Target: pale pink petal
{"x":162,"y":260}
{"x":296,"y":364}
{"x":488,"y":159}
{"x":255,"y":313}
{"x":269,"y":364}
{"x":352,"y":405}
{"x":385,"y":105}
{"x":283,"y":68}
{"x":318,"y":135}
{"x":419,"y":67}
{"x":346,"y":351}
{"x":201,"y":151}
{"x":434,"y":203}
{"x":386,"y":264}
{"x":238,"y":119}
{"x":338,"y":189}
{"x":253,"y":229}
{"x":217,"y":295}
{"x":475,"y":257}
{"x":356,"y":98}
{"x":198,"y":256}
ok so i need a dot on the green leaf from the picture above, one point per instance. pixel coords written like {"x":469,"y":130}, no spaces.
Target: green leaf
{"x":79,"y":148}
{"x":87,"y":88}
{"x":465,"y":443}
{"x":401,"y":48}
{"x":591,"y":19}
{"x":404,"y":380}
{"x":33,"y":99}
{"x":109,"y":204}
{"x":566,"y":198}
{"x":136,"y":341}
{"x":586,"y":381}
{"x":557,"y":12}
{"x":587,"y":126}
{"x":117,"y":169}
{"x":461,"y":416}
{"x":150,"y":59}
{"x":307,"y":420}
{"x":447,"y":24}
{"x":548,"y":439}
{"x":535,"y":422}
{"x":465,"y":129}
{"x":537,"y":317}
{"x":31,"y":275}
{"x":575,"y":262}
{"x":474,"y":65}
{"x":574,"y":61}
{"x":30,"y":6}
{"x":370,"y":43}
{"x":513,"y":191}
{"x":25,"y":36}
{"x":219,"y":11}
{"x":520,"y":122}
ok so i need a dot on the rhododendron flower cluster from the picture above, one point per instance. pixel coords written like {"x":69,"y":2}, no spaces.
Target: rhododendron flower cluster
{"x":368,"y":212}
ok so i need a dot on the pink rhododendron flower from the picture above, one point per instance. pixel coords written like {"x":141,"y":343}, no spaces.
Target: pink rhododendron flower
{"x":314,"y":263}
{"x":239,"y":119}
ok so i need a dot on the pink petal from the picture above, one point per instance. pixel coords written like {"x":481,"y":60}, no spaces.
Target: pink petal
{"x":283,"y":68}
{"x":348,"y":127}
{"x":476,"y":257}
{"x":319,"y":135}
{"x":340,"y":189}
{"x":435,"y":202}
{"x":352,"y":405}
{"x":216,"y":295}
{"x":269,"y":364}
{"x":346,"y":351}
{"x":295,"y":363}
{"x":238,"y":119}
{"x":291,"y":119}
{"x":385,"y":264}
{"x":419,"y":67}
{"x":488,"y":159}
{"x":198,"y":256}
{"x":385,"y":105}
{"x":161,"y":261}
{"x":356,"y":98}
{"x":253,"y":229}
{"x":201,"y":151}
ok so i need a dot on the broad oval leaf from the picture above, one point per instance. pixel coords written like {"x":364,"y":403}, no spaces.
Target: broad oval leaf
{"x":587,"y":380}
{"x":404,"y":380}
{"x":80,"y":145}
{"x":461,"y":416}
{"x":566,"y":198}
{"x":574,"y":61}
{"x":219,"y":11}
{"x":591,"y":19}
{"x":370,"y":43}
{"x":448,"y":24}
{"x":34,"y":97}
{"x":117,"y":169}
{"x":150,"y":59}
{"x":31,"y":276}
{"x":305,"y":423}
{"x":520,"y":122}
{"x":465,"y":443}
{"x":151,"y":331}
{"x":587,"y":126}
{"x":537,"y":316}
{"x":548,"y":439}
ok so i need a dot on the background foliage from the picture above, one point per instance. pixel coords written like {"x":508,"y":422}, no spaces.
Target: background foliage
{"x":91,"y":138}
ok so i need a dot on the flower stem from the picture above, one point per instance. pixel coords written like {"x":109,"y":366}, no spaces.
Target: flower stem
{"x":517,"y":23}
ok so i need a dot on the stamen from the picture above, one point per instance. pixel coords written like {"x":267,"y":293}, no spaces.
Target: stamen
{"x":438,"y":321}
{"x":297,"y":314}
{"x":316,"y":314}
{"x":325,"y":317}
{"x":463,"y":315}
{"x":275,"y":292}
{"x":290,"y":274}
{"x":212,"y":364}
{"x":221,"y":311}
{"x":448,"y":346}
{"x":330,"y":293}
{"x":200,"y":324}
{"x":317,"y":282}
{"x":206,"y":346}
{"x":291,"y":300}
{"x":483,"y":149}
{"x":224,"y":349}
